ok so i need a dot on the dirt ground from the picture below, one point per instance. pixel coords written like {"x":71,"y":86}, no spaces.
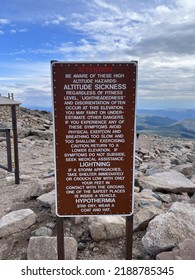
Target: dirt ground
{"x":36,"y":159}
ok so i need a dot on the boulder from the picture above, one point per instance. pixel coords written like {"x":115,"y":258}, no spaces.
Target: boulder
{"x":184,"y":251}
{"x":107,"y":227}
{"x":154,"y":169}
{"x":186,"y":169}
{"x":45,"y":248}
{"x":144,"y":216}
{"x":47,"y":199}
{"x":180,"y":197}
{"x":42,"y":231}
{"x":143,"y":167}
{"x":167,"y":230}
{"x":171,"y":181}
{"x":189,"y":145}
{"x":41,"y":134}
{"x":175,"y":160}
{"x":38,"y":187}
{"x":147,"y":198}
{"x":143,"y":151}
{"x":163,"y":197}
{"x":191,"y":157}
{"x":16,"y":221}
{"x":138,"y":159}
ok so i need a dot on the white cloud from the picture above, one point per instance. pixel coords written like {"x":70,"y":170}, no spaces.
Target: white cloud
{"x":56,"y":20}
{"x":104,"y":5}
{"x":161,"y":39}
{"x":4,"y":21}
{"x":13,"y":31}
{"x":187,"y":5}
{"x":159,"y":34}
{"x":30,"y":83}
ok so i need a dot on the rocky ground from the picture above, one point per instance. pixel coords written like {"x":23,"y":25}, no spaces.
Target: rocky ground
{"x":164,"y":212}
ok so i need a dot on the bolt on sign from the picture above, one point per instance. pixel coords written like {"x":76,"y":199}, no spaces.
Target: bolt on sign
{"x":94,"y":120}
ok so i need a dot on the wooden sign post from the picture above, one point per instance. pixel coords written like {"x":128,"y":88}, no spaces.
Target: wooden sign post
{"x":94,"y":121}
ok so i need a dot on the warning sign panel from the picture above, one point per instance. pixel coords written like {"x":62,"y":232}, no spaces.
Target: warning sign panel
{"x":94,"y":119}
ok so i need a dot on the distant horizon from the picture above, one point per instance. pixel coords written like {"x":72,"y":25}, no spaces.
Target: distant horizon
{"x":50,"y":106}
{"x":151,"y":109}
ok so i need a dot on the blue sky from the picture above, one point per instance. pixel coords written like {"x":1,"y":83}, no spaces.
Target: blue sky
{"x":159,"y":34}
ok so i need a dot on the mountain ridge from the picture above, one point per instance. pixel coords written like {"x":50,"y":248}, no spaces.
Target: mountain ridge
{"x":145,"y":123}
{"x":177,"y":123}
{"x":176,"y":114}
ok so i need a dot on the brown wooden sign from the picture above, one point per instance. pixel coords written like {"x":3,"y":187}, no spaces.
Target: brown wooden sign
{"x":94,"y":119}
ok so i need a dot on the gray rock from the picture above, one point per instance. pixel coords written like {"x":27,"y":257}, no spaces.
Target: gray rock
{"x":47,"y":199}
{"x":167,"y":230}
{"x":193,"y":178}
{"x":81,"y":245}
{"x":45,"y":248}
{"x":10,"y":179}
{"x":146,"y":157}
{"x":79,"y":220}
{"x":49,"y":174}
{"x":147,"y":198}
{"x":184,"y":197}
{"x":183,"y":153}
{"x":25,"y":178}
{"x":189,"y":145}
{"x":157,"y":151}
{"x":106,"y":227}
{"x":184,"y":251}
{"x":53,"y":210}
{"x":51,"y":225}
{"x":162,"y":150}
{"x":153,"y":170}
{"x":186,"y":169}
{"x":42,"y":134}
{"x":143,"y":167}
{"x":16,"y":221}
{"x":163,"y":197}
{"x":39,"y":187}
{"x":144,"y":216}
{"x":192,"y":199}
{"x":171,"y":181}
{"x":136,"y":189}
{"x":143,"y":151}
{"x":166,"y":163}
{"x":138,"y":159}
{"x":175,"y":161}
{"x":136,"y":254}
{"x":42,"y":231}
{"x":191,"y":157}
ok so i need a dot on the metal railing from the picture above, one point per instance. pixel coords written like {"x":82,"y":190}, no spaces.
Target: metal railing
{"x":9,"y":154}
